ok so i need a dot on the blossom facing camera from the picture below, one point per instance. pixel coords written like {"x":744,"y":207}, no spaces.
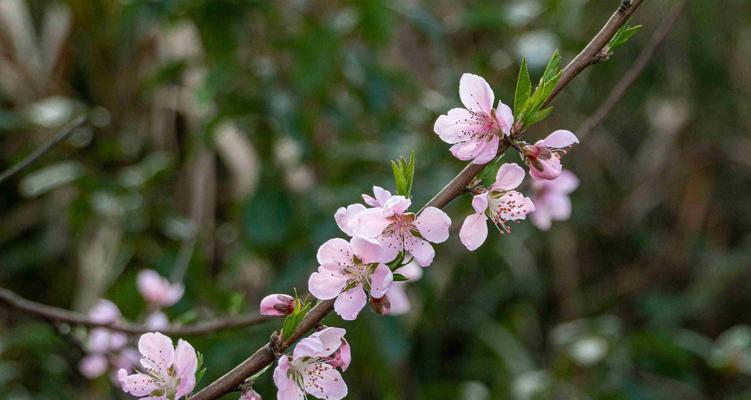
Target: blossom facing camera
{"x":476,"y":130}
{"x":349,"y":271}
{"x":169,"y":372}
{"x":500,"y":203}
{"x":544,"y":157}
{"x":551,"y":199}
{"x":277,"y":305}
{"x":157,"y":290}
{"x":309,"y":371}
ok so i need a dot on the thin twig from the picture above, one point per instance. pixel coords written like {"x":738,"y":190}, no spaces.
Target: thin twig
{"x":628,"y":79}
{"x":264,"y":356}
{"x":60,"y":315}
{"x":41,"y":151}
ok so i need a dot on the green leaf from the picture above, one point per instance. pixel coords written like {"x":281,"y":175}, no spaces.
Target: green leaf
{"x":487,"y":175}
{"x":294,"y":319}
{"x":397,"y":261}
{"x":523,"y":89}
{"x":537,"y":116}
{"x":404,"y":173}
{"x":200,"y":375}
{"x":622,"y":36}
{"x":551,"y":70}
{"x":400,"y":278}
{"x":199,"y":357}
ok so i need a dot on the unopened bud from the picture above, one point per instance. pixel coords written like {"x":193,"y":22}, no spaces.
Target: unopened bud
{"x":381,"y":305}
{"x":277,"y":305}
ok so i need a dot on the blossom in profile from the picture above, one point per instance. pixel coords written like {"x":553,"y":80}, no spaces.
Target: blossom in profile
{"x":309,"y":370}
{"x":157,"y":290}
{"x":551,"y":199}
{"x":277,"y":305}
{"x":500,"y":203}
{"x":169,"y":372}
{"x":349,"y":271}
{"x":544,"y":157}
{"x":475,"y":130}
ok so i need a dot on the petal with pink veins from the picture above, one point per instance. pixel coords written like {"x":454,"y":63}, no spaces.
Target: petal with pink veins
{"x":349,"y":303}
{"x":474,"y":231}
{"x":458,"y":125}
{"x":476,"y":94}
{"x":381,"y":281}
{"x":433,"y":224}
{"x":487,"y":151}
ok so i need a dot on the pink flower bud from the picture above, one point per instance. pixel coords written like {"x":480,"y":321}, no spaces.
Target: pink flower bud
{"x":93,"y":366}
{"x":380,"y":305}
{"x":250,"y":394}
{"x":157,"y":290}
{"x":277,"y":305}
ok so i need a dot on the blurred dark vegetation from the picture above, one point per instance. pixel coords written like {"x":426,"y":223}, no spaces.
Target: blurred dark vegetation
{"x":245,"y":124}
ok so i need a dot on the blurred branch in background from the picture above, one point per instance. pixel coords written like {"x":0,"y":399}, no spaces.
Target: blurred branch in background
{"x":59,"y":315}
{"x":267,"y":353}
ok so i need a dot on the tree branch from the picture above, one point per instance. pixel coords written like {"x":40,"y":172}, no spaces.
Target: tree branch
{"x":54,"y":314}
{"x":41,"y":151}
{"x":264,"y":356}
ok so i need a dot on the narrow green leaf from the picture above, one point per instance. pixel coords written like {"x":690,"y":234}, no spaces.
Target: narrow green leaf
{"x":523,"y":89}
{"x":410,"y":174}
{"x":400,"y":278}
{"x":537,"y":117}
{"x":399,"y":179}
{"x":622,"y":36}
{"x":200,"y":375}
{"x":551,"y":70}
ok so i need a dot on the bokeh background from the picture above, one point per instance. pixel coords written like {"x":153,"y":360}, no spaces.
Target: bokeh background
{"x":224,"y":134}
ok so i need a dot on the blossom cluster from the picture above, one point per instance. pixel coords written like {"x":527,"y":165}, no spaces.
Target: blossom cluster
{"x":385,"y":246}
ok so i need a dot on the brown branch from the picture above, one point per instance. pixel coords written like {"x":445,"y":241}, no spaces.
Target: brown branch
{"x":41,"y":151}
{"x":264,"y":356}
{"x":628,"y":79}
{"x":60,"y":315}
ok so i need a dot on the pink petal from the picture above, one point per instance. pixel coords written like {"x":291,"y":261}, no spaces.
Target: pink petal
{"x":367,"y":250}
{"x":433,"y":224}
{"x":551,"y":168}
{"x":474,"y":231}
{"x":399,"y":300}
{"x":469,"y":149}
{"x":349,"y":303}
{"x":186,"y":364}
{"x":559,"y":206}
{"x":509,"y":177}
{"x":421,"y":250}
{"x":287,"y":388}
{"x":381,"y":195}
{"x":335,"y":254}
{"x":560,"y":139}
{"x":457,"y":126}
{"x":324,"y":381}
{"x":397,"y":204}
{"x":480,"y":202}
{"x":93,"y":366}
{"x":371,"y":222}
{"x":505,"y":116}
{"x":104,"y":312}
{"x":514,"y":206}
{"x":329,"y":340}
{"x":380,"y":281}
{"x":307,"y":347}
{"x":99,"y":340}
{"x":326,"y":284}
{"x":566,"y":183}
{"x":157,"y":351}
{"x":487,"y":152}
{"x":344,"y":355}
{"x":138,"y":385}
{"x":346,"y":218}
{"x":277,"y":305}
{"x":476,"y":94}
{"x":541,"y":218}
{"x":390,"y":246}
{"x":157,"y":290}
{"x":412,"y":271}
{"x":157,"y":321}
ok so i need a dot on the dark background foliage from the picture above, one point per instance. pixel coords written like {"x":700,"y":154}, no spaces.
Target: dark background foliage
{"x":225,"y":133}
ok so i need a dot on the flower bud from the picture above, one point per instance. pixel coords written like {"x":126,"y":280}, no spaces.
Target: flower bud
{"x":543,"y":163}
{"x":277,"y":305}
{"x":381,"y":305}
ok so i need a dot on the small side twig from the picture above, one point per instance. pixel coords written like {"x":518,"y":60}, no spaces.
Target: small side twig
{"x":41,"y":151}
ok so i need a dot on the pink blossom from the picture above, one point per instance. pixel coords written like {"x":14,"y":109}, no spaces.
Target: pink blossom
{"x":398,"y":299}
{"x":475,"y":130}
{"x":395,"y":228}
{"x":250,"y":394}
{"x":157,"y":290}
{"x":157,"y":321}
{"x":347,"y":270}
{"x":169,"y":372}
{"x":551,"y":199}
{"x":103,"y":340}
{"x":308,"y":371}
{"x":500,"y":203}
{"x":544,"y":157}
{"x":104,"y":312}
{"x":277,"y":305}
{"x":93,"y":366}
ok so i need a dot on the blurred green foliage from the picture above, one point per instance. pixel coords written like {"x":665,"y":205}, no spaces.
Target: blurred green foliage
{"x":246,"y":124}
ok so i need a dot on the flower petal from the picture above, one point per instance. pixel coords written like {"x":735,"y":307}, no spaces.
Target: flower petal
{"x":324,"y":382}
{"x":474,"y":231}
{"x":551,"y":168}
{"x":433,"y":225}
{"x":421,"y":250}
{"x":349,"y":303}
{"x":505,"y":117}
{"x":541,"y":218}
{"x":560,"y":139}
{"x":480,"y":202}
{"x":371,"y":222}
{"x":186,"y":364}
{"x":93,"y":366}
{"x":458,"y":125}
{"x":380,"y":281}
{"x":326,"y":284}
{"x":367,"y":250}
{"x":138,"y":385}
{"x":390,"y":246}
{"x":398,"y":299}
{"x":346,"y":218}
{"x":476,"y":94}
{"x":397,"y":205}
{"x":330,"y":338}
{"x":157,"y":351}
{"x":412,"y":271}
{"x":335,"y":254}
{"x":509,"y":177}
{"x":487,"y":152}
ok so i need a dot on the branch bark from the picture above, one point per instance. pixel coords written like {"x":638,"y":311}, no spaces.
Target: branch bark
{"x":59,"y":315}
{"x":265,"y":355}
